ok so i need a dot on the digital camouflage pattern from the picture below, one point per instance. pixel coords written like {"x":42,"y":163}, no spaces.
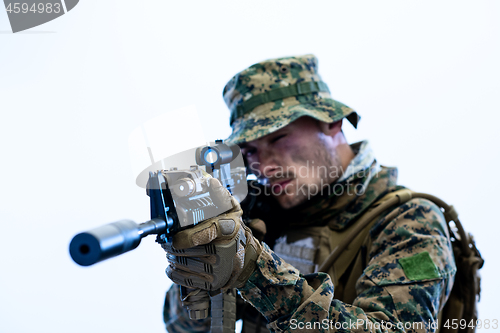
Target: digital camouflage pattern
{"x":259,"y":89}
{"x":385,"y":293}
{"x":388,"y":292}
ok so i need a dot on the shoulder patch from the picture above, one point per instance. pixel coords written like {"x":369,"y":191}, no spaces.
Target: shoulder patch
{"x":419,"y":267}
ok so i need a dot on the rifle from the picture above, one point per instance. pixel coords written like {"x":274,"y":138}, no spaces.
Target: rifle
{"x":179,"y":199}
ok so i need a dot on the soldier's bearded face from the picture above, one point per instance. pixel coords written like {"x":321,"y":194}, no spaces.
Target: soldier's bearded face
{"x":297,"y":161}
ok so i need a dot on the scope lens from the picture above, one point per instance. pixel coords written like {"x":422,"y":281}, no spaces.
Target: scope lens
{"x":211,"y":156}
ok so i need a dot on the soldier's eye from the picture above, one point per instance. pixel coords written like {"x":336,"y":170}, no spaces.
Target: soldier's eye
{"x":248,"y":152}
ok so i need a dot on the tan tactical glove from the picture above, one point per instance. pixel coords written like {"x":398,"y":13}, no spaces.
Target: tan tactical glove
{"x":217,"y":253}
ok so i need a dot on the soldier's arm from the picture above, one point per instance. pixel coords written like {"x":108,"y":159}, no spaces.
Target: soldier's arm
{"x":176,"y":317}
{"x":407,"y":280}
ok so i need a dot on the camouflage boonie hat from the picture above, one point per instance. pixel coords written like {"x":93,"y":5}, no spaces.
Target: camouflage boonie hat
{"x":271,"y":94}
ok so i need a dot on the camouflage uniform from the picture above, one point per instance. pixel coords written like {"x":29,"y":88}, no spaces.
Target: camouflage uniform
{"x":408,"y":265}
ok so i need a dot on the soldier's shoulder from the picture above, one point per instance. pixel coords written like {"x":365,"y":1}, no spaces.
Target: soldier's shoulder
{"x":416,"y":211}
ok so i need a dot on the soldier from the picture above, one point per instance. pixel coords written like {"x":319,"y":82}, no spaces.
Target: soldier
{"x":397,"y":274}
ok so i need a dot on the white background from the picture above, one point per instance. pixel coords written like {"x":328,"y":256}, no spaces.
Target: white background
{"x":424,"y":76}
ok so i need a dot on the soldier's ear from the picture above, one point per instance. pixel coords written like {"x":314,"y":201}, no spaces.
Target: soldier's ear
{"x":331,"y":129}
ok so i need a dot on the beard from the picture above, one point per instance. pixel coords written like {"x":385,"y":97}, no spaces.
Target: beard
{"x":311,"y":172}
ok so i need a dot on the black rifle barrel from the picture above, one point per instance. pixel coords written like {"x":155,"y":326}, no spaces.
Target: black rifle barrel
{"x":111,"y":240}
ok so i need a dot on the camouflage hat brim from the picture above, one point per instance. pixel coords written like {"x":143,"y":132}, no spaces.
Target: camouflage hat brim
{"x":270,"y":117}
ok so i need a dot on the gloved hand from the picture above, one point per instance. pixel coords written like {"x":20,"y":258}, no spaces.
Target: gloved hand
{"x":217,"y":253}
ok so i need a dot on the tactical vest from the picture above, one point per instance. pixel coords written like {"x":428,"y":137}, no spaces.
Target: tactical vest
{"x":343,"y":255}
{"x":308,"y":248}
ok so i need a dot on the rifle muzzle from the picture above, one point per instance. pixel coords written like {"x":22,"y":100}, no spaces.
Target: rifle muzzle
{"x":111,"y":240}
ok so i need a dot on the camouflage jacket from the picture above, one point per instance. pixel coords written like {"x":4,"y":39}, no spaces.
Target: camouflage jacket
{"x":405,"y":283}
